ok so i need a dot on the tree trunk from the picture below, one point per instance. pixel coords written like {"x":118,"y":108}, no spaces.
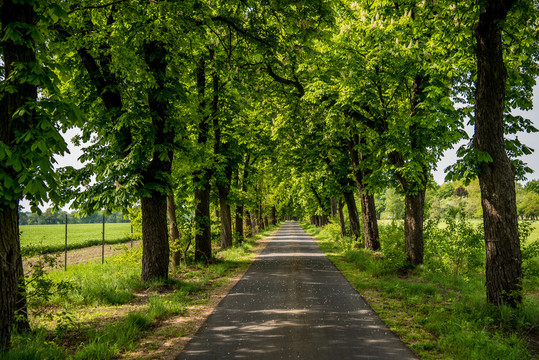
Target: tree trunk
{"x":273,"y":215}
{"x":342,"y":224}
{"x":15,"y":15}
{"x":254,"y":219}
{"x":333,"y":203}
{"x":266,"y":222}
{"x":10,"y":251}
{"x":226,"y":219}
{"x":414,"y":191}
{"x":173,"y":233}
{"x":248,"y":224}
{"x":202,"y":218}
{"x":155,"y":249}
{"x":370,"y":221}
{"x":413,"y":227}
{"x":201,"y":179}
{"x":368,"y":208}
{"x":496,"y":178}
{"x":260,"y":220}
{"x":155,"y":253}
{"x":239,"y":223}
{"x":353,"y":216}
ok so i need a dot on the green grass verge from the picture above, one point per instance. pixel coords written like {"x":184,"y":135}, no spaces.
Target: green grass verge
{"x":438,"y":315}
{"x":88,"y":312}
{"x":42,"y":239}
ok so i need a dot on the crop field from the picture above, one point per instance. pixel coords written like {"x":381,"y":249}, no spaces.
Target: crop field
{"x":38,"y":239}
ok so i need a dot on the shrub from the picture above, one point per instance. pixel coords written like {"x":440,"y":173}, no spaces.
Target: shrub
{"x":454,"y":245}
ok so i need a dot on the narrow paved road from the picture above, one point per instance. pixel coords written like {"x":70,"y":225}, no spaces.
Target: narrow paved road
{"x":293,"y":303}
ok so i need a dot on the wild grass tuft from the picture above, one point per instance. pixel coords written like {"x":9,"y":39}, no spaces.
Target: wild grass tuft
{"x":439,"y":308}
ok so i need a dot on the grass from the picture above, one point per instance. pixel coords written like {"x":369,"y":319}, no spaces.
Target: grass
{"x":41,"y":239}
{"x":95,"y":311}
{"x":534,"y":235}
{"x":437,"y":314}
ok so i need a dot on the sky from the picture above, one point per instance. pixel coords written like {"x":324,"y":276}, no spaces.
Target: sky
{"x":449,"y":157}
{"x":531,"y":140}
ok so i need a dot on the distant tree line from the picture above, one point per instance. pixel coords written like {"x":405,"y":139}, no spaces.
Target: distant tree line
{"x":466,"y":199}
{"x":49,"y":217}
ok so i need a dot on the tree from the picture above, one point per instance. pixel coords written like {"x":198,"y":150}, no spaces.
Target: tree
{"x":29,"y":136}
{"x":129,"y":101}
{"x":497,"y":174}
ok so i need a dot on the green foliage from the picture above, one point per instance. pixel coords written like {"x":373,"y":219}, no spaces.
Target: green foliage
{"x":36,"y":347}
{"x":39,"y":288}
{"x":454,"y":245}
{"x":530,"y":251}
{"x":438,"y":313}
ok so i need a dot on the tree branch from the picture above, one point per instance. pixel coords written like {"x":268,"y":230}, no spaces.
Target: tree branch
{"x":295,"y":82}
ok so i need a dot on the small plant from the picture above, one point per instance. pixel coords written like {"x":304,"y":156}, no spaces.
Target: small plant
{"x":454,"y":245}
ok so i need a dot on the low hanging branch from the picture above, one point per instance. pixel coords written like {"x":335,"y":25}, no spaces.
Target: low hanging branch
{"x":295,"y":82}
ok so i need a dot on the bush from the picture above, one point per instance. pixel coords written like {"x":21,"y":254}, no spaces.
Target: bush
{"x":530,"y":251}
{"x":392,"y":244}
{"x":454,"y":244}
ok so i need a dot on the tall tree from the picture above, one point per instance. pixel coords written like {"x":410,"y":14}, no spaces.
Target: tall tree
{"x":496,"y":176}
{"x":29,"y":137}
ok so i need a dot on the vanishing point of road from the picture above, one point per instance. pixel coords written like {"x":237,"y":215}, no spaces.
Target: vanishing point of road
{"x":293,"y":303}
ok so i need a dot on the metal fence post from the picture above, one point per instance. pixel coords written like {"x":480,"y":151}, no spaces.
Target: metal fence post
{"x":65,"y":248}
{"x":103,"y":246}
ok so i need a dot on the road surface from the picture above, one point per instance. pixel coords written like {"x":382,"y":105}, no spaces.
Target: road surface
{"x":293,"y":303}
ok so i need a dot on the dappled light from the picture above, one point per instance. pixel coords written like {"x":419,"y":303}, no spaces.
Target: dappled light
{"x":294,"y":303}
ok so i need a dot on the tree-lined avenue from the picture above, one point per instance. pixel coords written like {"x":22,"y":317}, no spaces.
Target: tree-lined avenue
{"x":294,"y":303}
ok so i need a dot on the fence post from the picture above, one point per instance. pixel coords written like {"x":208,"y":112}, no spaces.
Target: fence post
{"x":65,"y":248}
{"x":103,"y":245}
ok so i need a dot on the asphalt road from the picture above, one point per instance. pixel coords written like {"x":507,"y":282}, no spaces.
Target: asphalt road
{"x":293,"y":303}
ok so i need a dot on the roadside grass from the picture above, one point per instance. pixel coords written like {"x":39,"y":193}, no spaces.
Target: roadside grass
{"x":99,"y":311}
{"x":437,"y":314}
{"x":42,"y":239}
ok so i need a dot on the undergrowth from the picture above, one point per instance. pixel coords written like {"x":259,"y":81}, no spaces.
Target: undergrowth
{"x":97,"y":311}
{"x":439,"y":309}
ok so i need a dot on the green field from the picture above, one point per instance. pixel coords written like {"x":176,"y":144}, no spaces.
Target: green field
{"x":534,"y":235}
{"x":49,"y":238}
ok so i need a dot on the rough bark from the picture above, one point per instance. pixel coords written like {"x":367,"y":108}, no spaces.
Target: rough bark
{"x":155,"y":251}
{"x":415,"y":191}
{"x":342,"y":224}
{"x":10,"y":251}
{"x":10,"y":101}
{"x":226,"y":219}
{"x":333,"y":203}
{"x":413,"y":227}
{"x":201,"y":178}
{"x":248,"y":224}
{"x":255,"y":219}
{"x":202,"y":218}
{"x":260,"y":219}
{"x":496,"y":178}
{"x":368,"y":208}
{"x":155,"y":254}
{"x":273,"y":215}
{"x":173,"y":233}
{"x":353,"y":216}
{"x":239,"y":223}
